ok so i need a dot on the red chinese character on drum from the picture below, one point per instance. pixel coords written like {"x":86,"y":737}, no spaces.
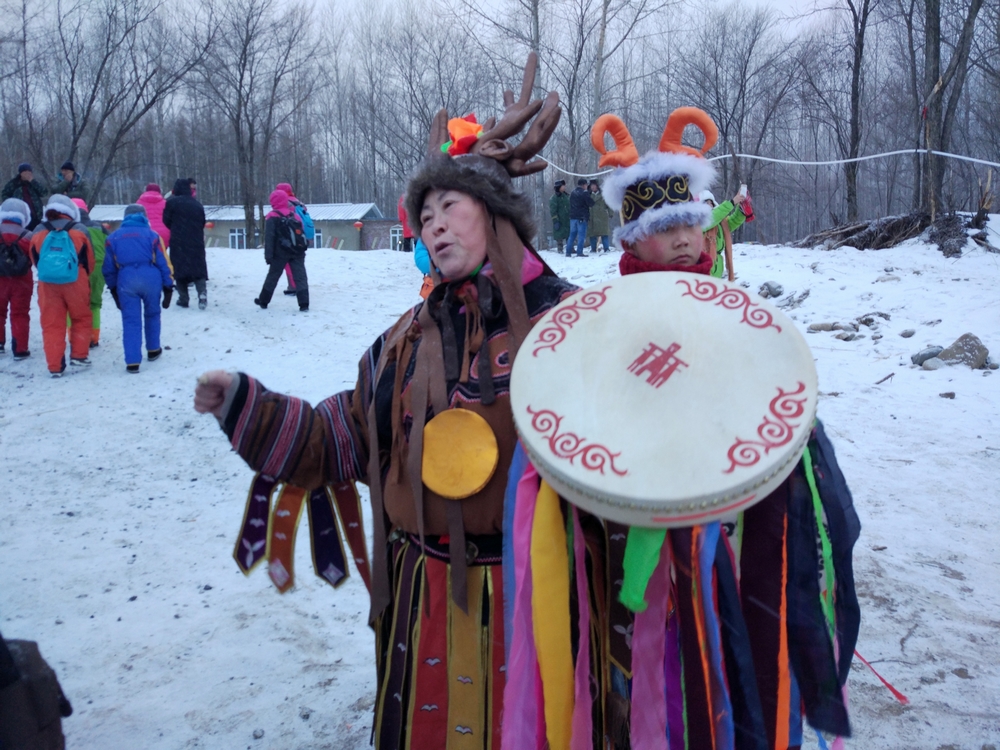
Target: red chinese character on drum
{"x":660,"y":363}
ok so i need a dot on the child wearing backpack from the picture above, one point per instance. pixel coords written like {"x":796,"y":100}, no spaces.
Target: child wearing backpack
{"x":16,"y":282}
{"x":308,"y":229}
{"x":61,"y":250}
{"x":135,"y":270}
{"x":284,"y":243}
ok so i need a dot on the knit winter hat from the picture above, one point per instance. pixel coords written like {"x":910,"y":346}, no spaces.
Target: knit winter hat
{"x":14,"y":209}
{"x":80,"y":203}
{"x":152,"y":187}
{"x":63,"y":205}
{"x":279,"y":202}
{"x":659,"y":190}
{"x":67,"y":165}
{"x":24,"y":167}
{"x":134,"y":208}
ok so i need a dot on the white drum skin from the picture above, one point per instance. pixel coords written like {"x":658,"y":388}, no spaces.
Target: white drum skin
{"x":664,"y":399}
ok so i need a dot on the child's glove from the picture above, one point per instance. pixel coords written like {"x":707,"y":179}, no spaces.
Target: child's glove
{"x":168,"y":292}
{"x":114,"y":293}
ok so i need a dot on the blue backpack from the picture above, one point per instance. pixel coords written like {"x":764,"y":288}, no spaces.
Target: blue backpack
{"x":307,"y":223}
{"x":58,"y":261}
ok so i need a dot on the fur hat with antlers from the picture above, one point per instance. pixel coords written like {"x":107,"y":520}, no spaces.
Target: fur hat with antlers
{"x":662,"y":188}
{"x":478,"y":160}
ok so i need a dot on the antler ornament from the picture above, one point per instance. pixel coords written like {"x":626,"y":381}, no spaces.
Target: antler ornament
{"x":493,"y":141}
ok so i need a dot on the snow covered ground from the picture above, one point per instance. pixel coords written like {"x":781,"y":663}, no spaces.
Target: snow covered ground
{"x":120,"y":506}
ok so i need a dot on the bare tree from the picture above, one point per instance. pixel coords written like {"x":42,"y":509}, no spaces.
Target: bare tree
{"x":258,"y":73}
{"x":115,"y":60}
{"x":943,"y":92}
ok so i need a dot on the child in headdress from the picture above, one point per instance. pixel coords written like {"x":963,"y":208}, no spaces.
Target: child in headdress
{"x":787,"y":642}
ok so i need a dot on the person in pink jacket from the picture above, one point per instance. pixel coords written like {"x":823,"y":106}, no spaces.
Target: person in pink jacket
{"x":154,"y":202}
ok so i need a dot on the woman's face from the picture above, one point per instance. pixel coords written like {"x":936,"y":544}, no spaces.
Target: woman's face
{"x":454,"y":230}
{"x":678,"y":245}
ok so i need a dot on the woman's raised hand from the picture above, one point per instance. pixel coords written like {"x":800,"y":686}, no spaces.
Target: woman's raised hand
{"x":210,"y":393}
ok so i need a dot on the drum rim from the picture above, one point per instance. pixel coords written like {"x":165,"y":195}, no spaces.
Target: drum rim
{"x":647,"y":507}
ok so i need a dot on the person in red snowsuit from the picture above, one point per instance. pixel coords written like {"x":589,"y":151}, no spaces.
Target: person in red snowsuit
{"x":15,"y":288}
{"x":55,"y":300}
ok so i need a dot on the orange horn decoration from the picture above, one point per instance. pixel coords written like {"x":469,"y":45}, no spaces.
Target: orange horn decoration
{"x":673,"y":133}
{"x":625,"y":153}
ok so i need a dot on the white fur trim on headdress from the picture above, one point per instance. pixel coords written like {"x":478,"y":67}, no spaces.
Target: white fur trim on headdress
{"x":13,"y":217}
{"x":655,"y":166}
{"x":660,"y":219}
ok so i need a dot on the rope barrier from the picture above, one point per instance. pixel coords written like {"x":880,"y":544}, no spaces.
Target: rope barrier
{"x":833,"y":162}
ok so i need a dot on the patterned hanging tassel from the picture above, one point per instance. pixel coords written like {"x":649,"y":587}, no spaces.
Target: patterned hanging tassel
{"x":281,"y":541}
{"x":329,"y":560}
{"x":251,"y":546}
{"x":348,"y":504}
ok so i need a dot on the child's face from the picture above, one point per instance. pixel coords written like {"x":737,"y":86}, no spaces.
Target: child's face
{"x":676,"y":246}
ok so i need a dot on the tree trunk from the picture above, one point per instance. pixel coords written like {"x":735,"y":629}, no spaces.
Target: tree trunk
{"x":937,"y":124}
{"x":860,"y":16}
{"x":597,"y":108}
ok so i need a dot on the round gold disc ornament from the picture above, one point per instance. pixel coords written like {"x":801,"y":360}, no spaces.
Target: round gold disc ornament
{"x":460,"y":454}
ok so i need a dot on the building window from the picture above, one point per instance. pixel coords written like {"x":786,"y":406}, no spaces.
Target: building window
{"x":318,"y":238}
{"x":396,"y":237}
{"x":237,"y":239}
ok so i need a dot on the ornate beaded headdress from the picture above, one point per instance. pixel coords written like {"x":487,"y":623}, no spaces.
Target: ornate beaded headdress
{"x":660,"y":189}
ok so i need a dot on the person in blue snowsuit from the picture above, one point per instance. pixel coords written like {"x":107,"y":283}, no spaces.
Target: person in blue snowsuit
{"x":136,"y":270}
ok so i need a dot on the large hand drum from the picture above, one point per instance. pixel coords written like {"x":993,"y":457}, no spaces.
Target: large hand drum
{"x":664,"y":399}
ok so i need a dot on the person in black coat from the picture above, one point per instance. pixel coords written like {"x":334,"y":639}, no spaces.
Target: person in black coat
{"x":580,"y":203}
{"x":25,"y":187}
{"x":184,"y":216}
{"x":284,"y":244}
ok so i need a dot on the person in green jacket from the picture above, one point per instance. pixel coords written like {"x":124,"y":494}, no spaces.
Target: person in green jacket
{"x":26,"y":188}
{"x":600,"y":218}
{"x":559,"y":209}
{"x":734,"y":215}
{"x":97,"y":234}
{"x":72,"y":184}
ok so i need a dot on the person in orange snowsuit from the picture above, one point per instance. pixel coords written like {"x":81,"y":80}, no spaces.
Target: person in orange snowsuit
{"x":57,"y":300}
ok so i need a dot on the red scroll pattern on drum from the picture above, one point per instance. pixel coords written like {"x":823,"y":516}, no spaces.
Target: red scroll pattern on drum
{"x":565,"y":318}
{"x":568,"y":445}
{"x":773,"y":433}
{"x":754,"y":315}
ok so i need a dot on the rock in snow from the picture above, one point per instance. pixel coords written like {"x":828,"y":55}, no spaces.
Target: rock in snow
{"x":771,"y":289}
{"x":934,"y":363}
{"x":922,"y":356}
{"x":967,"y":350}
{"x":907,"y":333}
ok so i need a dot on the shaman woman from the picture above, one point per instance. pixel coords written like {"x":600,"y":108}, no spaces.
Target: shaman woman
{"x":437,"y":596}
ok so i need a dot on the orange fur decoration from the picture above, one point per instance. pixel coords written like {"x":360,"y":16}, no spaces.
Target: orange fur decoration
{"x":673,"y":133}
{"x":625,"y":153}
